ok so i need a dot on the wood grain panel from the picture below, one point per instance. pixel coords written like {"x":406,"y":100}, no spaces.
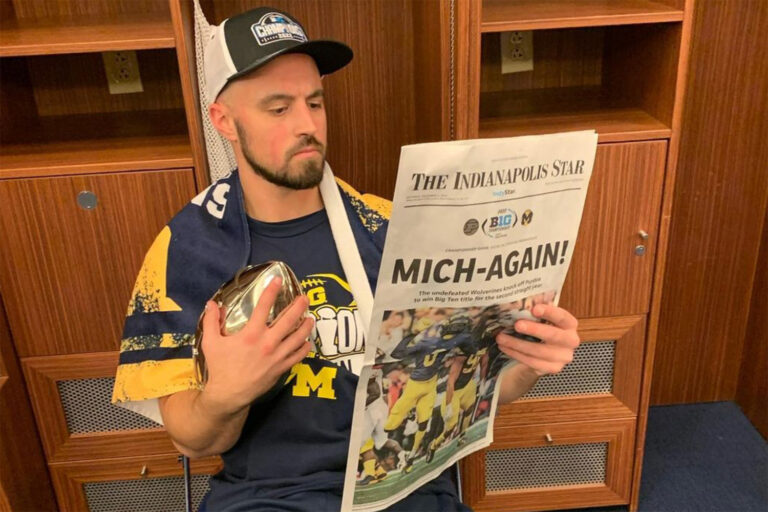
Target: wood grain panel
{"x":41,"y":9}
{"x":640,"y":67}
{"x":611,"y":124}
{"x":182,"y":13}
{"x":752,"y":391}
{"x":431,"y":70}
{"x":43,"y":375}
{"x":606,"y":277}
{"x":720,"y":200}
{"x":501,"y":15}
{"x":562,"y":58}
{"x":661,"y":253}
{"x":69,"y":478}
{"x":620,"y":80}
{"x":77,"y":84}
{"x":467,"y":62}
{"x":619,"y":434}
{"x":371,"y":103}
{"x":24,"y":479}
{"x":68,"y":274}
{"x":17,"y":101}
{"x":97,"y":143}
{"x":129,"y":31}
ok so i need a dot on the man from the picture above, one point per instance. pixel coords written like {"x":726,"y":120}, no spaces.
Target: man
{"x":289,"y":452}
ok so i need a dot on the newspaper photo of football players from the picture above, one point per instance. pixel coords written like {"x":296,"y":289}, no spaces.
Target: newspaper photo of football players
{"x":428,"y":395}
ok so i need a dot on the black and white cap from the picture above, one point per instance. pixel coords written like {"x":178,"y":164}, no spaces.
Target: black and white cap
{"x":249,"y":40}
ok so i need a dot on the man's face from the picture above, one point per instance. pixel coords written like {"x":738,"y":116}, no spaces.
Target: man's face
{"x":279,"y":116}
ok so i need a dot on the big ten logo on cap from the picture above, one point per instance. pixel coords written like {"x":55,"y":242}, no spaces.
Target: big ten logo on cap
{"x":273,"y":27}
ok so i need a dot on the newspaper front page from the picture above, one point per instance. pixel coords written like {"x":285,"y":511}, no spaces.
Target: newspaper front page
{"x":480,"y":232}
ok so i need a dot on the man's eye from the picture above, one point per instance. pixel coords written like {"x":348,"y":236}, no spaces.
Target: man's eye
{"x":279,"y":110}
{"x":316,"y":105}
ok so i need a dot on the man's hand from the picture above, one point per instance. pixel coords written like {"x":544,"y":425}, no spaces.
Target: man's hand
{"x":559,"y":340}
{"x":247,"y":364}
{"x":241,"y":368}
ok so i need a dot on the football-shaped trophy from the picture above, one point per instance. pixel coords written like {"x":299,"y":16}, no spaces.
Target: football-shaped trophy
{"x":238,"y":297}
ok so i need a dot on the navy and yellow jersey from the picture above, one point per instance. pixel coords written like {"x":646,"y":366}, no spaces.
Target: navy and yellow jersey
{"x":201,"y":248}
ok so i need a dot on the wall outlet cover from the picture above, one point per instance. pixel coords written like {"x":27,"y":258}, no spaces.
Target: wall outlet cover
{"x":516,"y":51}
{"x":122,"y":69}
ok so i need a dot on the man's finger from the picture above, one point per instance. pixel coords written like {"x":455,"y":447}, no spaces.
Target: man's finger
{"x":264,"y":305}
{"x":556,"y":316}
{"x":211,"y":326}
{"x":289,"y":318}
{"x":295,"y":340}
{"x":295,"y":347}
{"x":548,"y":334}
{"x":537,"y":365}
{"x":539,"y":351}
{"x":296,"y":356}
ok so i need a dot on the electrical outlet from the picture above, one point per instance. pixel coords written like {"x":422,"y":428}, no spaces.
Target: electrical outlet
{"x":516,"y":51}
{"x":122,"y":70}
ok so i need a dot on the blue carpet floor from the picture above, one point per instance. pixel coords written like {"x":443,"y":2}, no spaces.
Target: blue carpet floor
{"x":702,"y":458}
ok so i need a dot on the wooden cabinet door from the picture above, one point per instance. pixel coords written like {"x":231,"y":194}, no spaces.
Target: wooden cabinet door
{"x":602,"y":381}
{"x":71,"y":396}
{"x":133,"y":483}
{"x":24,"y":481}
{"x":608,"y":275}
{"x":548,"y":467}
{"x":67,"y":272}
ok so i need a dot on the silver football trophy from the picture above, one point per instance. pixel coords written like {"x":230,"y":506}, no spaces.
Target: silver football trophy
{"x":238,"y":297}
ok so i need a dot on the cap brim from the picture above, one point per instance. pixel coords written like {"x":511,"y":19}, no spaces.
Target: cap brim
{"x":329,"y":56}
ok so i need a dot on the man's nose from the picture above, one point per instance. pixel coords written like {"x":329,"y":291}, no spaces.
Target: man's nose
{"x":305,"y":122}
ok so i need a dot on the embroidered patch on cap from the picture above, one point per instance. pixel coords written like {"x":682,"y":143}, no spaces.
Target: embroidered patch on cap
{"x":273,"y":27}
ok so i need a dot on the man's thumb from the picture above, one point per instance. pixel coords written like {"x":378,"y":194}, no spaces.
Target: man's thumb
{"x":211,"y":318}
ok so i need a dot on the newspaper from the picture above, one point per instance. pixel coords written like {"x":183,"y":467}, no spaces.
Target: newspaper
{"x":480,"y":231}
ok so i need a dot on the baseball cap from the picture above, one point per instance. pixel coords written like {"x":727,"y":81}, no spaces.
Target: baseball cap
{"x":245,"y":42}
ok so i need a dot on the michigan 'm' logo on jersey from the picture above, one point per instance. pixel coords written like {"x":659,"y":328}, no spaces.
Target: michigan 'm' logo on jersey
{"x":338,"y":333}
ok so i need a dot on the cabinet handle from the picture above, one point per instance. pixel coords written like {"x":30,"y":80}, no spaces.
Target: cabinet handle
{"x":639,"y":250}
{"x":549,"y":439}
{"x":87,"y":200}
{"x":643,"y":235}
{"x":143,"y":471}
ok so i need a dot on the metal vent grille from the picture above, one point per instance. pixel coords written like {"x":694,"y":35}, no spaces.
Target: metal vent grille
{"x":87,"y":408}
{"x":164,"y":494}
{"x":545,"y":466}
{"x":590,"y":373}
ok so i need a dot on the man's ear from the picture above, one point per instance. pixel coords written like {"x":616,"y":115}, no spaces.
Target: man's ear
{"x":222,"y":120}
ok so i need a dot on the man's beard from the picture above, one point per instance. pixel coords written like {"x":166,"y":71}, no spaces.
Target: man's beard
{"x":311,"y":172}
